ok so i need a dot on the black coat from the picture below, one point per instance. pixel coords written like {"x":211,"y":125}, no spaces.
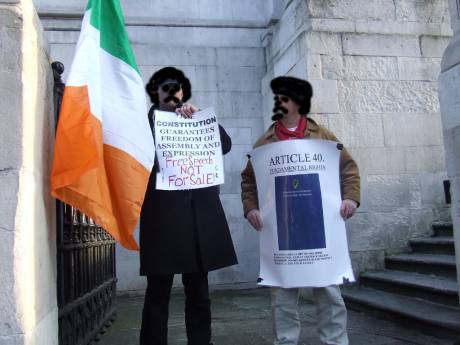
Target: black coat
{"x":184,"y":231}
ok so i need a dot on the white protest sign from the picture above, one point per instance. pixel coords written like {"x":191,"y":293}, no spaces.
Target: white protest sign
{"x":303,"y":241}
{"x":189,"y":150}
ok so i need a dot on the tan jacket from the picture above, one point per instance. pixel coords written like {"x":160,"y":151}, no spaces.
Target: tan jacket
{"x":349,"y":173}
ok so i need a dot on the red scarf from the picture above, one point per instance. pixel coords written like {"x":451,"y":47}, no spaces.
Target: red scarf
{"x":285,"y":134}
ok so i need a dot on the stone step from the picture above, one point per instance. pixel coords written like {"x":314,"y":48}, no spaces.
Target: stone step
{"x":430,"y":287}
{"x":433,"y":245}
{"x":443,"y":228}
{"x":413,"y":312}
{"x":441,"y":265}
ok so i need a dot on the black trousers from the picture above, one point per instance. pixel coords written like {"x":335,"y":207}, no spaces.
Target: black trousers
{"x":154,"y":329}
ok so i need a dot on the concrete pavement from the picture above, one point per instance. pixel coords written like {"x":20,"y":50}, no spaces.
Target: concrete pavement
{"x":243,"y":317}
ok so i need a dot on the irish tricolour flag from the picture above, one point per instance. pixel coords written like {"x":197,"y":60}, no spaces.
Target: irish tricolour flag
{"x":104,"y":147}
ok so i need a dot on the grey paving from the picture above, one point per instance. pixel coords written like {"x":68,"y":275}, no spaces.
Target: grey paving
{"x":243,"y":317}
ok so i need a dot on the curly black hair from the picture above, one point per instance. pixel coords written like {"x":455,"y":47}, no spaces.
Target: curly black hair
{"x":168,"y":73}
{"x":299,"y":90}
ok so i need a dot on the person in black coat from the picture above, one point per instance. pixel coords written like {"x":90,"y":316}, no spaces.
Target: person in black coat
{"x":182,"y":231}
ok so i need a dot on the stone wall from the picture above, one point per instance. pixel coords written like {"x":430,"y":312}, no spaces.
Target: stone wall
{"x":449,"y":90}
{"x":374,"y":66}
{"x":27,"y":212}
{"x":218,"y":45}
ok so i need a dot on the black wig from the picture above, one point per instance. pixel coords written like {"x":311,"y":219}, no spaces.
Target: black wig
{"x":164,"y":74}
{"x":299,"y":90}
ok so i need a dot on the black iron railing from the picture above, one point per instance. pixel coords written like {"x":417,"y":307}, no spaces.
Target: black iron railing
{"x":86,"y":274}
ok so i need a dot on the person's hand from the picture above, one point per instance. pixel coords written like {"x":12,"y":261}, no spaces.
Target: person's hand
{"x":255,"y":219}
{"x":348,"y":208}
{"x":186,"y":110}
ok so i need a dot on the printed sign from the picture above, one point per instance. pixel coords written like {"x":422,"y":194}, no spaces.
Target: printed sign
{"x":303,"y":241}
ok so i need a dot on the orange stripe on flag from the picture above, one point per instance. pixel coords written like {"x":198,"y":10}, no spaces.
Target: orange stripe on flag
{"x":104,"y":182}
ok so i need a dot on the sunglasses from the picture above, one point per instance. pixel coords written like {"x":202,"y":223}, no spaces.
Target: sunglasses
{"x":170,"y":86}
{"x":281,"y":98}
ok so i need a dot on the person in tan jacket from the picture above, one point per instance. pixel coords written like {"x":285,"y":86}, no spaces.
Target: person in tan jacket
{"x":292,"y":103}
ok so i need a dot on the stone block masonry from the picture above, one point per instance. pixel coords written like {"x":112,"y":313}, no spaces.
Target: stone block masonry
{"x":374,"y":67}
{"x":28,"y":305}
{"x":380,"y":45}
{"x":352,"y":9}
{"x":388,"y":96}
{"x":352,"y":67}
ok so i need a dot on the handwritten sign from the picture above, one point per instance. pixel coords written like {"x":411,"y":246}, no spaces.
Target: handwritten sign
{"x":189,"y":150}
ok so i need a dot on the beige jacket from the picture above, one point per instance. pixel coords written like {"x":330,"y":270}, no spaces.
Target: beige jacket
{"x":349,"y":173}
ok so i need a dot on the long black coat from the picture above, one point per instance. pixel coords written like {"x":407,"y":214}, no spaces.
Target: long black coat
{"x":184,"y":231}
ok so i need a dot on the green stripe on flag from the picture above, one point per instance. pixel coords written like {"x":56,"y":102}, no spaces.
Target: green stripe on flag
{"x":107,"y":17}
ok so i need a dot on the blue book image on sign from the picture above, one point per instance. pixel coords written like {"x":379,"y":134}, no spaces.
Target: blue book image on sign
{"x":299,"y":212}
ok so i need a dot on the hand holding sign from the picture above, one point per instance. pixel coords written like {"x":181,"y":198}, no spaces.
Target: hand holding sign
{"x":348,"y":208}
{"x":255,"y":219}
{"x":186,"y":110}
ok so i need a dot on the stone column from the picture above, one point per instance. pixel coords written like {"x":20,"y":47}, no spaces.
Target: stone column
{"x":449,"y":96}
{"x":28,"y":310}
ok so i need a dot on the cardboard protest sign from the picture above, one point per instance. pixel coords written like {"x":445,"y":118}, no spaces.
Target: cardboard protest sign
{"x":189,"y":150}
{"x":303,"y":241}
